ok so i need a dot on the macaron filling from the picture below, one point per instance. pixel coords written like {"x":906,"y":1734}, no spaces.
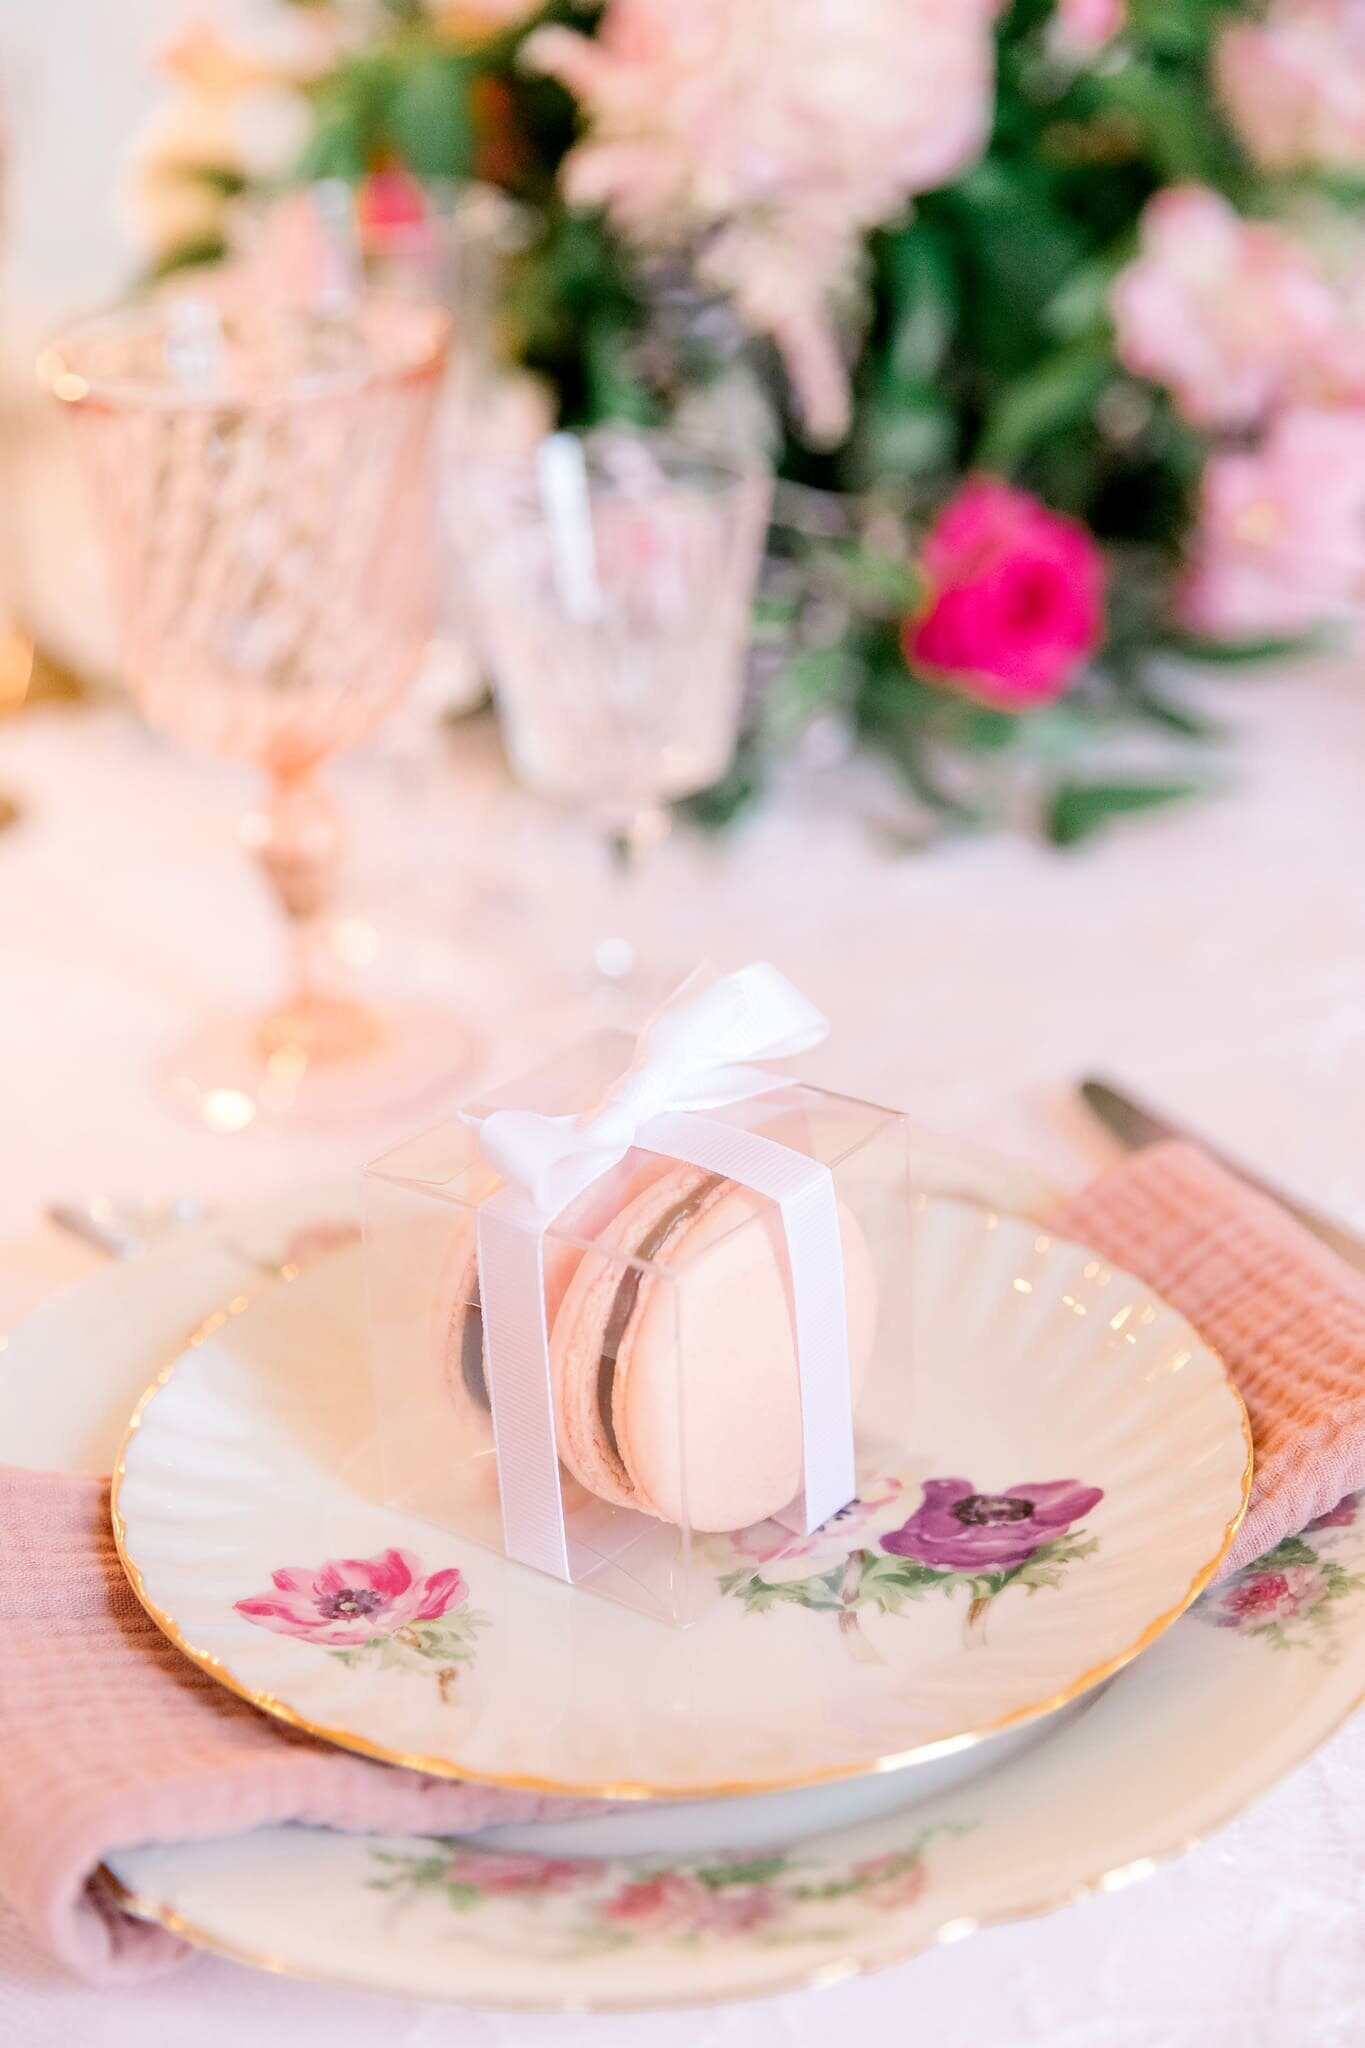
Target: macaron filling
{"x":627,"y":1294}
{"x":471,"y":1353}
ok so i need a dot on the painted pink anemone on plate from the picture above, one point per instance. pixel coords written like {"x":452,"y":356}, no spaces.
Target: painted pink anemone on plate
{"x":957,"y":1529}
{"x":352,"y":1600}
{"x":769,"y":1542}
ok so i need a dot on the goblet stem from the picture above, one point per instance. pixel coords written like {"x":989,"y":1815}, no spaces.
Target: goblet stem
{"x":297,"y":838}
{"x":629,"y":842}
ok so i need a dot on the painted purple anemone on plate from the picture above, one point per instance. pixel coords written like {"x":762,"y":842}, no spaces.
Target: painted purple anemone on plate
{"x":956,"y":1529}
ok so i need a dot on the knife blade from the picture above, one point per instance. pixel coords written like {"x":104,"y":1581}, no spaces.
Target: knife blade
{"x":1135,"y":1125}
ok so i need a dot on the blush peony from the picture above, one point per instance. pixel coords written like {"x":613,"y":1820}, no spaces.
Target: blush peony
{"x":1220,"y":310}
{"x":1293,"y":85}
{"x":1280,"y":543}
{"x":772,"y":138}
{"x":1015,"y":602}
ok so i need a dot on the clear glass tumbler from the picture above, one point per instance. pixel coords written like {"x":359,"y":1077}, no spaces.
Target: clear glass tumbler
{"x":261,"y":478}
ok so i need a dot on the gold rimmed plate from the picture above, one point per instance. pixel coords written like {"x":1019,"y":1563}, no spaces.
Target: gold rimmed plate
{"x":1080,"y":1464}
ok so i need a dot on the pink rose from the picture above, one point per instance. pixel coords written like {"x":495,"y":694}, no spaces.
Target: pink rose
{"x":1293,"y":85}
{"x":1219,"y":310}
{"x":1015,"y":598}
{"x":491,"y":1874}
{"x":350,"y":1600}
{"x":1280,"y":543}
{"x":1263,"y":1597}
{"x":670,"y":1903}
{"x":892,"y":1881}
{"x":1342,"y":1516}
{"x":674,"y":1903}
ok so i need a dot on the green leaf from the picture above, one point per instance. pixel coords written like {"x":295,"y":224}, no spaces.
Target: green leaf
{"x":1290,"y":1550}
{"x":986,"y":729}
{"x":923,"y":302}
{"x":1077,"y":808}
{"x":1048,"y":400}
{"x":203,"y":249}
{"x":1015,"y":247}
{"x":615,"y":392}
{"x":720,"y":805}
{"x":886,"y":586}
{"x":1226,"y":653}
{"x":348,"y":122}
{"x":224,"y":179}
{"x":1080,"y":306}
{"x":1174,"y":717}
{"x":812,"y":681}
{"x":758,"y":1870}
{"x":1173,"y":111}
{"x":903,"y":431}
{"x":428,"y":116}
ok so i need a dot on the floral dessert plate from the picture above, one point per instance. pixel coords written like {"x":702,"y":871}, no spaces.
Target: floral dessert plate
{"x":1080,"y":1464}
{"x":1241,"y":1690}
{"x":1257,"y":1675}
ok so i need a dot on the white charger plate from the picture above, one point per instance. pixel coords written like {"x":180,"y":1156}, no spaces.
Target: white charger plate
{"x":1081,"y":1462}
{"x":1232,"y":1698}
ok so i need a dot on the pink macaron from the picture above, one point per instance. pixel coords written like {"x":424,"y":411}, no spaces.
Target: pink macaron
{"x":682,"y":1400}
{"x":457,"y":1334}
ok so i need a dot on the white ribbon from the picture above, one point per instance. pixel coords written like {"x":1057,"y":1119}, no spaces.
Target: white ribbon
{"x":693,"y":1055}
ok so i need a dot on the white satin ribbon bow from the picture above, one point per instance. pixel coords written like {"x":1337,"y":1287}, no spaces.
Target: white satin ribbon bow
{"x":692,"y":1056}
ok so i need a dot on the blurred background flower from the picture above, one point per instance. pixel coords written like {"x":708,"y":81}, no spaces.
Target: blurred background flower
{"x":1280,"y":542}
{"x":773,"y":139}
{"x":1014,"y":601}
{"x":1225,"y":312}
{"x":1105,"y":255}
{"x":1293,"y":84}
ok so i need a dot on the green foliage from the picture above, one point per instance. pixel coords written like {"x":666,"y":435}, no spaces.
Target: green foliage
{"x":758,"y":1870}
{"x":1079,"y":808}
{"x":428,"y":117}
{"x":1290,"y":1550}
{"x":876,"y":1579}
{"x":983,"y":340}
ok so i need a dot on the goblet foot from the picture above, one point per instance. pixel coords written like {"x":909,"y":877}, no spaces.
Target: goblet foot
{"x":316,"y":1028}
{"x":325,"y":1062}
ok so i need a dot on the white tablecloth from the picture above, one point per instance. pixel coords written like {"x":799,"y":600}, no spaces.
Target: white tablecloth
{"x":1215,"y":957}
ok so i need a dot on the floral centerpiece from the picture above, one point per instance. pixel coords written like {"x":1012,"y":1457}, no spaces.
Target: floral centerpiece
{"x":1050,"y":314}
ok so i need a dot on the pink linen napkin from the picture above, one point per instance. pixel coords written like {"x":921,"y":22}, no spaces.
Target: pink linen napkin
{"x":109,"y":1737}
{"x":1286,"y":1314}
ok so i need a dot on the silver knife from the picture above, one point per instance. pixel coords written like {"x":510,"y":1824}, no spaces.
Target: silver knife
{"x":1135,"y":1126}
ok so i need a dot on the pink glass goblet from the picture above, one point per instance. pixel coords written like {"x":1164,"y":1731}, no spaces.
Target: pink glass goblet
{"x":261,"y":479}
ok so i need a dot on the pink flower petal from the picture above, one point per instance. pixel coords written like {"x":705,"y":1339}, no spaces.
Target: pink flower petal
{"x":294,"y":1579}
{"x":391,"y":1574}
{"x":441,"y":1592}
{"x":1058,"y":1500}
{"x":286,"y":1618}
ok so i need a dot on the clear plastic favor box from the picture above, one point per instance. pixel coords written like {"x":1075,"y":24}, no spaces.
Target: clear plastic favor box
{"x":676,"y":1402}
